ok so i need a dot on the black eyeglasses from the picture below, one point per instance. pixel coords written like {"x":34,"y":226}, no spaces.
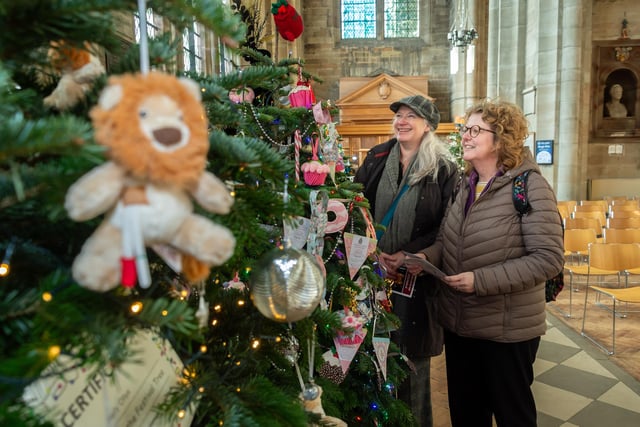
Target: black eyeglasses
{"x":474,"y":130}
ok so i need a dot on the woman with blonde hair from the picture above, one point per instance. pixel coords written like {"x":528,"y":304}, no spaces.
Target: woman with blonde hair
{"x":408,"y":182}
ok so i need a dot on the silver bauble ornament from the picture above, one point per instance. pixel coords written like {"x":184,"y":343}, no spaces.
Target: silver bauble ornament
{"x":287,"y":284}
{"x":311,"y":392}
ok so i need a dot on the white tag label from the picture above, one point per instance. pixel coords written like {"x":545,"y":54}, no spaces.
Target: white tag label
{"x":125,"y":397}
{"x":296,"y":233}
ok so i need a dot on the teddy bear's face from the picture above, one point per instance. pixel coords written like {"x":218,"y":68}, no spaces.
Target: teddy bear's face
{"x":155,"y":127}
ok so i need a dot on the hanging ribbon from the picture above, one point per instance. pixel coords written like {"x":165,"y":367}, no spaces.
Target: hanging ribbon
{"x":297,"y":138}
{"x":319,"y":201}
{"x":309,"y":389}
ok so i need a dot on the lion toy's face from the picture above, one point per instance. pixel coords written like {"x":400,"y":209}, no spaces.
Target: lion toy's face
{"x":154,"y":126}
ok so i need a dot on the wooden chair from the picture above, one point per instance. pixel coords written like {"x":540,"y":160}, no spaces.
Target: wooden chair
{"x":570,"y":204}
{"x":591,"y":208}
{"x":625,"y":202}
{"x":624,"y":213}
{"x":576,"y":246}
{"x":623,"y":223}
{"x":621,"y":235}
{"x":599,"y":215}
{"x":625,"y":207}
{"x":603,"y":203}
{"x":592,"y":223}
{"x":564,"y":211}
{"x":613,"y":257}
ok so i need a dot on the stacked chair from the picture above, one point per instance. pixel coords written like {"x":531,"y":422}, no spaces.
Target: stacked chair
{"x":602,"y":242}
{"x":620,"y":259}
{"x":576,"y":246}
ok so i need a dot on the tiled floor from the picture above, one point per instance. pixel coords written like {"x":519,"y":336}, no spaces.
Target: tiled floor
{"x":575,"y":385}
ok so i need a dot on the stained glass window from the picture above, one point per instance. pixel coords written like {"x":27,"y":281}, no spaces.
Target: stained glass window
{"x":358,"y":19}
{"x":400,"y":19}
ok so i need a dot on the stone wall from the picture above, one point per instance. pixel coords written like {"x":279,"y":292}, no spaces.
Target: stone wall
{"x":331,"y":58}
{"x":537,"y":53}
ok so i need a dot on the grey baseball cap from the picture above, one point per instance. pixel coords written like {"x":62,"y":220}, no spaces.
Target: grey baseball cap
{"x":422,"y":106}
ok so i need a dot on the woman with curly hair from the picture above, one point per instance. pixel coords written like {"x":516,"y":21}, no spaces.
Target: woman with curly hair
{"x":492,"y":304}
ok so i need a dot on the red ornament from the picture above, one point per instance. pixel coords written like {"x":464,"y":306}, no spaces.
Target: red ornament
{"x":288,"y":20}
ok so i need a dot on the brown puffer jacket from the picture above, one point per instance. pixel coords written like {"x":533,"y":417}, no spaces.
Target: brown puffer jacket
{"x":511,"y":257}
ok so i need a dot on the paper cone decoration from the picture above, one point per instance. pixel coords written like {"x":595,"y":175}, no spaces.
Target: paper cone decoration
{"x":347,"y":346}
{"x":358,"y":249}
{"x":297,"y":231}
{"x":381,"y":347}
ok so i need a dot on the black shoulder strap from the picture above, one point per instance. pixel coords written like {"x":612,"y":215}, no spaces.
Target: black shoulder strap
{"x":519,"y":193}
{"x":456,"y":188}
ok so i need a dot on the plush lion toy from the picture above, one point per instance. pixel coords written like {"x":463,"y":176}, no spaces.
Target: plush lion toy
{"x":155,"y":129}
{"x":78,"y":70}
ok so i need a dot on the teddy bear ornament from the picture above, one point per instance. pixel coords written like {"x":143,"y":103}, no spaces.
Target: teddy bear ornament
{"x":154,"y":127}
{"x":78,"y":69}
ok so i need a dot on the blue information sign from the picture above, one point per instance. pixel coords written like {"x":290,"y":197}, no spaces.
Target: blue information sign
{"x":544,"y":152}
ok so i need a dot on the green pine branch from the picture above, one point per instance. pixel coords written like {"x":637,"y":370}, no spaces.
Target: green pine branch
{"x":240,"y":364}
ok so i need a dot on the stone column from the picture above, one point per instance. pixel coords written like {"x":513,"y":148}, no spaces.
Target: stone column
{"x":571,"y":181}
{"x":507,"y":42}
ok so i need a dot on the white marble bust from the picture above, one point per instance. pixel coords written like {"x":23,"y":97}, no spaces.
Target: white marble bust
{"x":614,"y":107}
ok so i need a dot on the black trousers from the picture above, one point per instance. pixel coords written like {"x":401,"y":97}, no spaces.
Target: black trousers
{"x":415,"y":391}
{"x":487,"y":378}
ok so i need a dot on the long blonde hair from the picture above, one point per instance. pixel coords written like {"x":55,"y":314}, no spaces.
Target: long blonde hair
{"x":431,"y":152}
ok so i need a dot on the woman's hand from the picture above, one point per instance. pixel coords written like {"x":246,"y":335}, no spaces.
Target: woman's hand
{"x":416,"y":269}
{"x":462,"y":282}
{"x":392,"y":261}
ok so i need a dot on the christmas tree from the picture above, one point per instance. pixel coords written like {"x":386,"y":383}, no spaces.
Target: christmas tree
{"x":293,"y":317}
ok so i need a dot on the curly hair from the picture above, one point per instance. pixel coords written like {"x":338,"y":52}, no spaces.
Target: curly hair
{"x":508,"y":122}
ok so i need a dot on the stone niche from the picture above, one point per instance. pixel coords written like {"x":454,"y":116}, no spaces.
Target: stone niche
{"x":617,"y":63}
{"x":365,"y":117}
